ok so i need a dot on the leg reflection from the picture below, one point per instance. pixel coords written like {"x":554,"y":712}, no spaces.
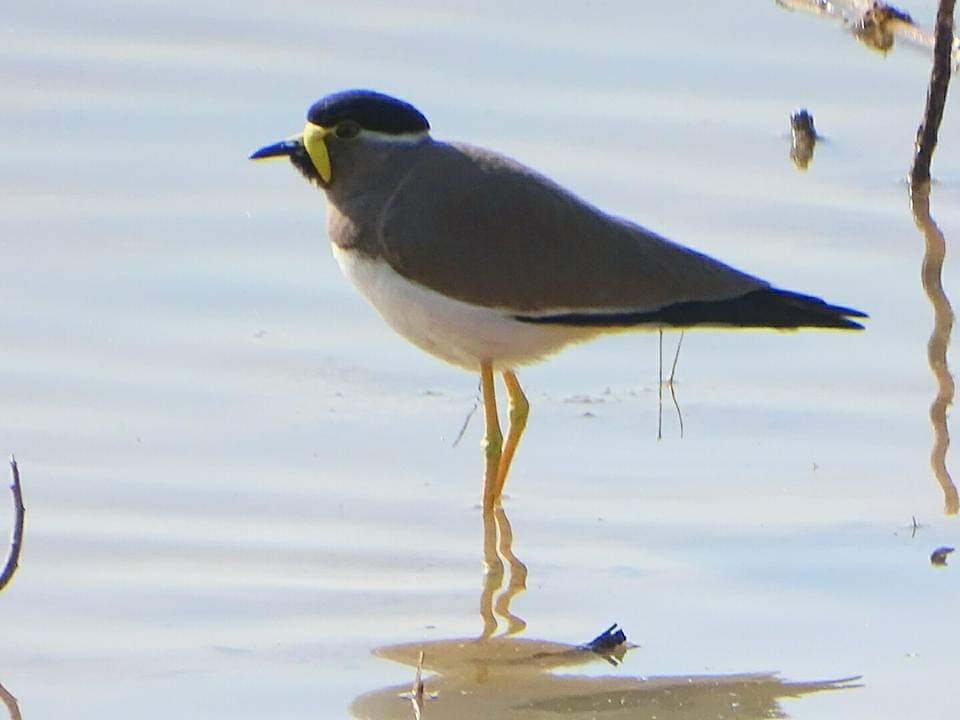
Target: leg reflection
{"x":517,"y":581}
{"x":497,"y":550}
{"x":492,"y":575}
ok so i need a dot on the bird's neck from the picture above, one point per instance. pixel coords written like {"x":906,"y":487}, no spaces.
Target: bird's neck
{"x":370,"y":170}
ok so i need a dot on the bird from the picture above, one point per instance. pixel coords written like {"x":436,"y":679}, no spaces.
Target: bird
{"x":489,"y":265}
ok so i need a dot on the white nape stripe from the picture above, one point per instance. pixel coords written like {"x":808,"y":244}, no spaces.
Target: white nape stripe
{"x":390,"y":139}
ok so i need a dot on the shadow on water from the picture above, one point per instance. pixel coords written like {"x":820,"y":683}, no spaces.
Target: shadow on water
{"x":935,"y":249}
{"x":500,"y":676}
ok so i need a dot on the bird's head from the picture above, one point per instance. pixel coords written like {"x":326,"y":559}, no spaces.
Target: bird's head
{"x":349,"y":129}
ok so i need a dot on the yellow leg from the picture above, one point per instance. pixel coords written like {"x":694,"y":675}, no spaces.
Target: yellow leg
{"x":519,"y":410}
{"x":492,"y":438}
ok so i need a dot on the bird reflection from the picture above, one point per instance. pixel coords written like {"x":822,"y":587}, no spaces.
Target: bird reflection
{"x":520,"y":679}
{"x":935,"y":249}
{"x":11,"y":704}
{"x":499,"y":676}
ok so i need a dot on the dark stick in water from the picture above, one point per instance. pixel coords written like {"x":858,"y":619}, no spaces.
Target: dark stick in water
{"x":11,"y":702}
{"x":936,"y":95}
{"x":17,"y":541}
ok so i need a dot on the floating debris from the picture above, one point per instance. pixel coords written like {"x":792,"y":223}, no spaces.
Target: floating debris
{"x":609,"y":639}
{"x":803,"y":138}
{"x":581,"y":399}
{"x":874,"y":24}
{"x":611,"y":645}
{"x":876,"y":27}
{"x":939,"y":556}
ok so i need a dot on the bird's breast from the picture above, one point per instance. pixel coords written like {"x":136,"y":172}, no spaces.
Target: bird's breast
{"x":352,"y":230}
{"x":458,"y":332}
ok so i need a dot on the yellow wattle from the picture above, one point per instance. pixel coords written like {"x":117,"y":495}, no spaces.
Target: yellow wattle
{"x":313,"y":141}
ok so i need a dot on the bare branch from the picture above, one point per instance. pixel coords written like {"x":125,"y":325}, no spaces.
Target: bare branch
{"x":936,"y":95}
{"x":11,"y":702}
{"x":17,"y":540}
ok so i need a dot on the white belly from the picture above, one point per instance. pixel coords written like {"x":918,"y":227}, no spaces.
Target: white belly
{"x":452,"y":330}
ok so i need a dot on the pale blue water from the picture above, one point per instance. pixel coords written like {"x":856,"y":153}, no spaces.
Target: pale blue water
{"x":239,"y":482}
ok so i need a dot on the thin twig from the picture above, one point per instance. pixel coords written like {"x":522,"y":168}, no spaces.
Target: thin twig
{"x":936,"y":95}
{"x":16,"y":541}
{"x":417,"y":689}
{"x":466,"y":420}
{"x":669,"y":384}
{"x":676,"y":405}
{"x":660,"y":389}
{"x":676,"y":359}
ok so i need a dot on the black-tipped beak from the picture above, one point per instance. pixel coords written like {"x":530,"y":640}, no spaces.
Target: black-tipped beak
{"x":284,"y":148}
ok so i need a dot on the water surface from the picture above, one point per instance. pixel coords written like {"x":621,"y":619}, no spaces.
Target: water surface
{"x":241,"y":487}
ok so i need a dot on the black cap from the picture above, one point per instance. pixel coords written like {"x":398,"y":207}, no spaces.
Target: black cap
{"x":370,"y":110}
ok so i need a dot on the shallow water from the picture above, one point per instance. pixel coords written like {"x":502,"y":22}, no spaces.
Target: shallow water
{"x":241,"y":488}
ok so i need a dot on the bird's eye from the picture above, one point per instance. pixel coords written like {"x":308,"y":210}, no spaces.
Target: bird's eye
{"x":347,"y":129}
